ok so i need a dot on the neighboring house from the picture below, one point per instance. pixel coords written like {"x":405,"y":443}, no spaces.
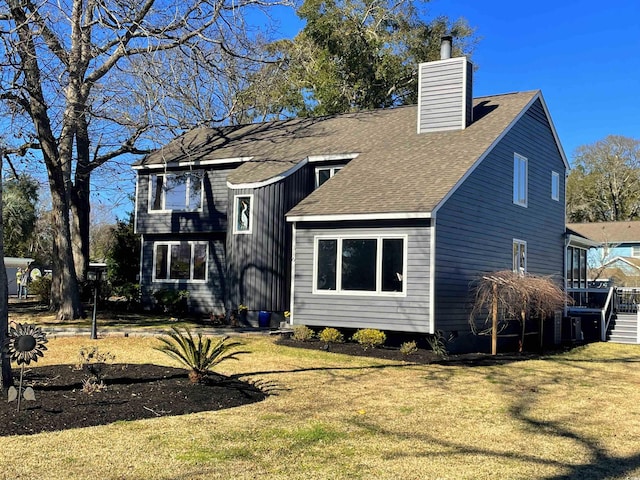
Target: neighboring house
{"x":11,"y":265}
{"x":379,"y":219}
{"x":617,"y":251}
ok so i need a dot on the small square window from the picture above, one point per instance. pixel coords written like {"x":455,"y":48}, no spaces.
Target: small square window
{"x":555,"y":186}
{"x":243,"y":213}
{"x":325,"y":173}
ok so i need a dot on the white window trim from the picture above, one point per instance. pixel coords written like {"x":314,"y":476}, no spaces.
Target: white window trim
{"x":635,"y":251}
{"x":163,"y":197}
{"x":184,"y":280}
{"x":555,"y":186}
{"x":235,"y":214}
{"x":332,"y":172}
{"x":520,"y":197}
{"x":521,"y":243}
{"x":378,"y":292}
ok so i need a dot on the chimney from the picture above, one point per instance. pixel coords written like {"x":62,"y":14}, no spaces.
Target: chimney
{"x":445,"y":97}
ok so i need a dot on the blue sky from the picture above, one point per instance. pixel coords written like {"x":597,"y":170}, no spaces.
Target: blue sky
{"x":583,"y":55}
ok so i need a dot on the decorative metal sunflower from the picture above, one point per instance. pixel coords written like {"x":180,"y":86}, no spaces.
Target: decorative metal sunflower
{"x":26,"y":343}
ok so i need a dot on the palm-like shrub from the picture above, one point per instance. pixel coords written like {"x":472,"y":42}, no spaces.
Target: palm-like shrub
{"x":200,"y":354}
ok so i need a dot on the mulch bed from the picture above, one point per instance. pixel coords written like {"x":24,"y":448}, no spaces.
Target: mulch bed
{"x":420,"y":356}
{"x":132,"y":392}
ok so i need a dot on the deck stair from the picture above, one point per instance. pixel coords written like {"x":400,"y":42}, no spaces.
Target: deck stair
{"x":623,"y":328}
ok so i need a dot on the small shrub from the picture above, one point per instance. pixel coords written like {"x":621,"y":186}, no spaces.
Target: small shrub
{"x":199,"y":354}
{"x":369,"y":338}
{"x":408,"y":348}
{"x":302,"y":333}
{"x":171,"y":301}
{"x":91,"y":385}
{"x":95,"y":363}
{"x":437,"y":344}
{"x":41,"y":287}
{"x":331,"y":335}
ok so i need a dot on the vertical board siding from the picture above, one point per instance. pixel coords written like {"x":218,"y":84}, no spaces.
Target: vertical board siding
{"x":475,"y":228}
{"x":408,"y":314}
{"x":212,"y":218}
{"x":207,"y":297}
{"x":259,"y":263}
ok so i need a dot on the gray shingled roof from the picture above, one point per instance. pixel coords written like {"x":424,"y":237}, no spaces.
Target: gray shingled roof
{"x":397,"y":170}
{"x":609,"y":232}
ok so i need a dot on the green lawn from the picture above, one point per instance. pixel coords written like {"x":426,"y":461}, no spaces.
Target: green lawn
{"x":575,"y":415}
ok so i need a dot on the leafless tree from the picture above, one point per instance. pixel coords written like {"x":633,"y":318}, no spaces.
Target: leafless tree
{"x":506,"y":295}
{"x":68,"y":82}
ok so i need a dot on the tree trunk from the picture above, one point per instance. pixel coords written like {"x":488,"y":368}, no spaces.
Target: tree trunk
{"x":494,"y":320}
{"x":7,"y":378}
{"x":65,"y":286}
{"x":81,"y":213}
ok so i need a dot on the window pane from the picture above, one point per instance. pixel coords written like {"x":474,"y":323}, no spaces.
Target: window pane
{"x":359,"y":264}
{"x":180,"y":261}
{"x":157,"y":182}
{"x":199,"y":261}
{"x":243,"y":214}
{"x":583,"y":268}
{"x":555,"y":186}
{"x":195,"y":191}
{"x":161,"y":262}
{"x":175,"y":192}
{"x":327,"y":252}
{"x":392,"y":263}
{"x":324,"y":174}
{"x":575,"y":274}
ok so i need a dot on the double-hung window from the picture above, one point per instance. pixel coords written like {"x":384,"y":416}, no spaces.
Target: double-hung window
{"x":519,"y":256}
{"x":176,"y":192}
{"x":360,"y":265}
{"x":520,"y":179}
{"x":325,"y":173}
{"x":180,"y":261}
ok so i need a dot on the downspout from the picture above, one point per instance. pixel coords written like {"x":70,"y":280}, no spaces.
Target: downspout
{"x":293,"y":272}
{"x":432,"y":275}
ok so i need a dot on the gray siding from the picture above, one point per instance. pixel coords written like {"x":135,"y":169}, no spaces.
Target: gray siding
{"x":476,"y":226}
{"x":259,"y":263}
{"x":212,"y":218}
{"x":409,"y":313}
{"x":445,"y":95}
{"x":205,"y":297}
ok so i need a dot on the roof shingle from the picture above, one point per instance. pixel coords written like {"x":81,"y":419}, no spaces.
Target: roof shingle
{"x":397,"y":170}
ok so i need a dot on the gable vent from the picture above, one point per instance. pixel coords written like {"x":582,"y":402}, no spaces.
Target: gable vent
{"x":445,"y":96}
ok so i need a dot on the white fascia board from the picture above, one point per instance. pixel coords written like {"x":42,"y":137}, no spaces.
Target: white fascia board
{"x":191,"y":163}
{"x":331,"y":157}
{"x":577,"y":241}
{"x":297,"y":166}
{"x":269,"y":181}
{"x":359,"y":216}
{"x":486,"y":152}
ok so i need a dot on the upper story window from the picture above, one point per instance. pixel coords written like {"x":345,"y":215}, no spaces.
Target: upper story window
{"x":360,"y":265}
{"x":555,"y":186}
{"x":325,"y":173}
{"x":243,"y":214}
{"x":520,"y":179}
{"x":635,"y":251}
{"x":180,"y":261}
{"x":519,"y":256}
{"x":176,"y":192}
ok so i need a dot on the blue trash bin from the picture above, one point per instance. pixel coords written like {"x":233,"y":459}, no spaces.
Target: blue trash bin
{"x":264,"y":319}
